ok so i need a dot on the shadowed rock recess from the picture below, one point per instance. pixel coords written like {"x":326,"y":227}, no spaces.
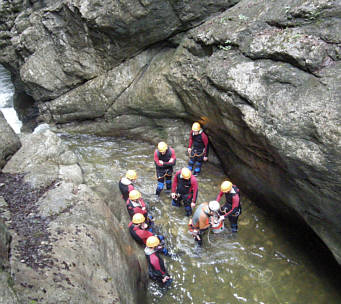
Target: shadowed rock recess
{"x":262,"y":76}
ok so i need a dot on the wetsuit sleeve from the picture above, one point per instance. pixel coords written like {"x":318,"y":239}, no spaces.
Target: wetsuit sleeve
{"x":190,"y":140}
{"x":235,"y":205}
{"x":175,"y":182}
{"x":156,"y":158}
{"x":143,"y":204}
{"x":130,"y":187}
{"x":194,"y":186}
{"x":205,"y":140}
{"x":221,"y":193}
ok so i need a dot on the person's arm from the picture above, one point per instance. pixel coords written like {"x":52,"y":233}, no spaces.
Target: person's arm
{"x":221,"y":193}
{"x":194,"y":186}
{"x":130,"y":187}
{"x":235,"y":205}
{"x":156,"y":159}
{"x":175,"y":182}
{"x":190,"y":140}
{"x":172,"y":159}
{"x":205,"y":140}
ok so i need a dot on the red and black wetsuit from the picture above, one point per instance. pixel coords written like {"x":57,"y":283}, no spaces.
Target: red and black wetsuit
{"x":125,"y":185}
{"x":136,"y":208}
{"x":199,"y":143}
{"x":232,"y":207}
{"x":165,"y":170}
{"x":200,"y":147}
{"x":156,"y":266}
{"x":139,"y":235}
{"x":187,"y":190}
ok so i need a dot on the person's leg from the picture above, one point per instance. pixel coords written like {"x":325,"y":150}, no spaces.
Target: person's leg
{"x":168,"y":183}
{"x":198,"y":164}
{"x":234,"y":222}
{"x":188,"y":208}
{"x":160,"y":182}
{"x":191,"y":163}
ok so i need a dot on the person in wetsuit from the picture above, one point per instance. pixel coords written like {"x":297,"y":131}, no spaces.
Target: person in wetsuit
{"x":184,"y":188}
{"x":197,"y":148}
{"x":156,"y":266}
{"x":165,"y":159}
{"x":232,"y":207}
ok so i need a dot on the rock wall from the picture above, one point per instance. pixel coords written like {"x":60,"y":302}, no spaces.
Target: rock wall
{"x":67,"y":244}
{"x":9,"y":141}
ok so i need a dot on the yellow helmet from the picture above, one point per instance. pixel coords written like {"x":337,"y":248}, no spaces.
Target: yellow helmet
{"x":226,"y":186}
{"x":131,"y":174}
{"x":138,"y":218}
{"x":152,"y":241}
{"x":134,"y":195}
{"x":196,"y":126}
{"x":162,"y":146}
{"x":186,"y":173}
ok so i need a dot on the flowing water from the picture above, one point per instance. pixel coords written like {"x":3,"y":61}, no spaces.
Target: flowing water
{"x":6,"y":100}
{"x":265,"y":262}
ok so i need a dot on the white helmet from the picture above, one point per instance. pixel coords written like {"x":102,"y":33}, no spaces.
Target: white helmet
{"x":214,"y":206}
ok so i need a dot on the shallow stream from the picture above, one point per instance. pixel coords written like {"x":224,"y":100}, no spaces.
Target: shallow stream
{"x":266,"y":262}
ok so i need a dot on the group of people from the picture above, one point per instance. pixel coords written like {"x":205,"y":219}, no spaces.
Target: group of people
{"x":184,"y":190}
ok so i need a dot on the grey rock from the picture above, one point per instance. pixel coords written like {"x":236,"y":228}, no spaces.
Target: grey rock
{"x":9,"y":141}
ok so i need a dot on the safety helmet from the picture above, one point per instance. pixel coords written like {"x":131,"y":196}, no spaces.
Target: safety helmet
{"x":131,"y":174}
{"x":162,"y":146}
{"x":214,"y":206}
{"x":152,"y":241}
{"x":134,"y":195}
{"x":226,"y":186}
{"x":196,"y":126}
{"x":138,"y":218}
{"x":186,"y":173}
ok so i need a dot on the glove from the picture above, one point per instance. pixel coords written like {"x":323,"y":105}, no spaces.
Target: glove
{"x":164,"y":251}
{"x":161,"y":237}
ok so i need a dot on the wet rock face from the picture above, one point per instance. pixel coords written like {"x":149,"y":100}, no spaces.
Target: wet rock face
{"x":9,"y":141}
{"x":67,"y":245}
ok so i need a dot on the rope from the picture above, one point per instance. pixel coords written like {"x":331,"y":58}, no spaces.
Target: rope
{"x":166,"y":174}
{"x":196,"y":155}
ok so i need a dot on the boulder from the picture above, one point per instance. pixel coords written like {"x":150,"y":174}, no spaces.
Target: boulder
{"x":9,"y":141}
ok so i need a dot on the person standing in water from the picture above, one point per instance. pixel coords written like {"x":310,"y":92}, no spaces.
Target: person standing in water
{"x":165,"y":159}
{"x":156,"y":266}
{"x":202,"y":219}
{"x":197,"y":148}
{"x":184,"y":188}
{"x":232,"y":207}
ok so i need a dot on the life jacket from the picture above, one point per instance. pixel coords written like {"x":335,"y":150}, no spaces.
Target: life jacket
{"x":183,"y":185}
{"x":125,"y":186}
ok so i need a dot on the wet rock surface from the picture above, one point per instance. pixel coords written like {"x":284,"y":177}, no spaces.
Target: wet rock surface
{"x":67,"y":245}
{"x":33,"y":247}
{"x":9,"y":141}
